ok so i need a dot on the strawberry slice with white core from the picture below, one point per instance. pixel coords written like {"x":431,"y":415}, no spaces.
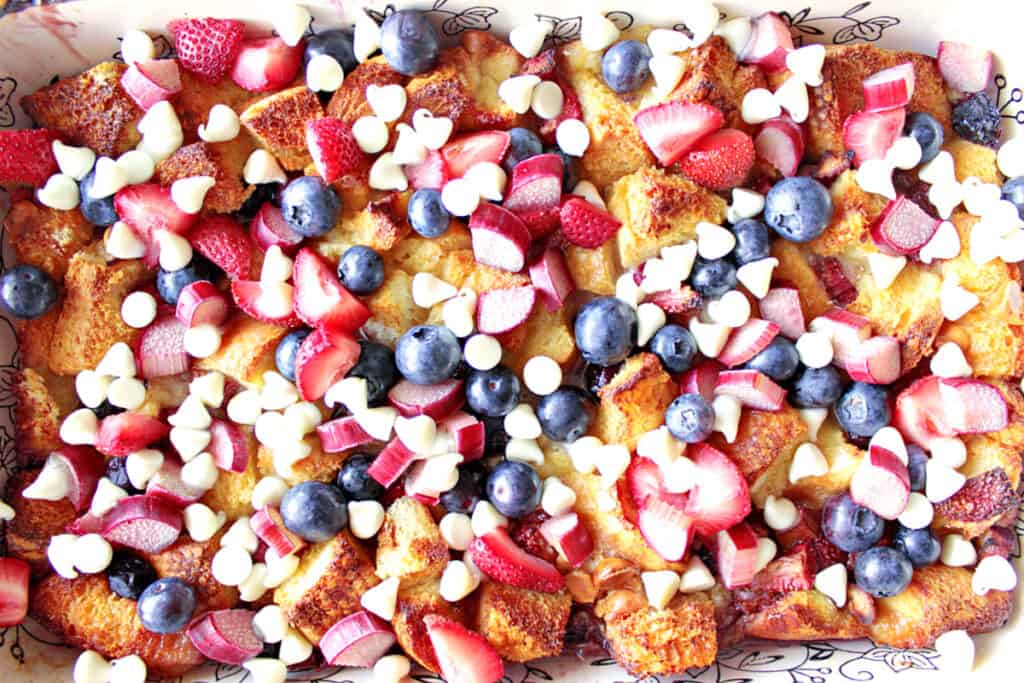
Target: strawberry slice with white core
{"x":437,"y":401}
{"x":702,"y":379}
{"x":321,"y":300}
{"x":747,"y":341}
{"x":128,"y":432}
{"x":160,"y":351}
{"x":769,"y":44}
{"x":870,"y":134}
{"x":891,"y":88}
{"x":320,"y":362}
{"x":919,"y":413}
{"x":268,"y":525}
{"x":846,"y":330}
{"x":342,"y":434}
{"x":720,"y":497}
{"x":500,"y":238}
{"x":266,"y":64}
{"x":359,"y":639}
{"x":464,"y":656}
{"x":876,"y":361}
{"x":468,"y":433}
{"x":666,"y":528}
{"x":226,"y":636}
{"x":224,"y":242}
{"x":503,"y":310}
{"x":14,"y":577}
{"x":550,"y":276}
{"x":200,"y":303}
{"x":143,"y":523}
{"x":269,"y":302}
{"x":497,"y":556}
{"x":431,"y":173}
{"x":536,"y":184}
{"x":781,"y":305}
{"x":904,"y":227}
{"x":569,"y":536}
{"x":167,"y":485}
{"x":228,"y":446}
{"x":672,"y":128}
{"x":269,"y":228}
{"x":465,"y":151}
{"x":965,"y":68}
{"x":780,"y":142}
{"x":85,"y":467}
{"x":391,"y":463}
{"x":972,"y":406}
{"x":148,"y":208}
{"x":751,"y":388}
{"x":736,"y":556}
{"x":881,"y":483}
{"x":151,"y":81}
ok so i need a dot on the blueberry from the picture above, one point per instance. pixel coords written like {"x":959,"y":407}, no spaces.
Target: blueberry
{"x":514,"y":489}
{"x":1013,"y":192}
{"x":917,"y":461}
{"x":883,"y":571}
{"x":100,"y":212}
{"x":690,"y":418}
{"x":129,"y":575}
{"x":169,"y":283}
{"x":117,"y":473}
{"x":409,"y":42}
{"x":106,"y":409}
{"x":27,"y":292}
{"x":675,"y":347}
{"x":523,"y":143}
{"x":816,"y":388}
{"x":798,"y":208}
{"x":361,"y":270}
{"x":310,"y":206}
{"x":565,"y":414}
{"x":849,"y":526}
{"x":353,"y":480}
{"x":570,"y":169}
{"x":753,"y":241}
{"x":377,"y":366}
{"x":596,"y":376}
{"x":863,"y":409}
{"x":166,"y":605}
{"x":977,"y":120}
{"x":920,"y":545}
{"x":493,"y":392}
{"x":928,"y":132}
{"x":337,"y":42}
{"x":495,"y":436}
{"x":606,"y":330}
{"x":314,"y":510}
{"x":287,"y":348}
{"x":262,"y":193}
{"x":779,"y":360}
{"x":626,"y":65}
{"x":427,"y":354}
{"x":713,"y":278}
{"x":466,"y":493}
{"x":427,"y":214}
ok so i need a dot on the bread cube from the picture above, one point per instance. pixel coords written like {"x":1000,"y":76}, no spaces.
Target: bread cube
{"x":521,"y":624}
{"x":393,"y":309}
{"x":37,"y":417}
{"x":46,"y":238}
{"x":222,"y":161}
{"x":278,"y":123}
{"x":414,"y":603}
{"x":409,"y":545}
{"x":634,"y":401}
{"x":35,"y":521}
{"x":246,"y":350}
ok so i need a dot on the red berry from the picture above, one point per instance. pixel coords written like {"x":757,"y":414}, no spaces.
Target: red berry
{"x":26,"y":156}
{"x":207,"y":47}
{"x":333,"y":147}
{"x":720,"y":161}
{"x":225,"y":243}
{"x":586,"y":225}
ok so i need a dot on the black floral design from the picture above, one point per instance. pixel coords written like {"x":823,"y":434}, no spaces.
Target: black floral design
{"x":1009,"y":100}
{"x":469,"y":19}
{"x":7,"y":88}
{"x":564,"y":30}
{"x":853,"y":28}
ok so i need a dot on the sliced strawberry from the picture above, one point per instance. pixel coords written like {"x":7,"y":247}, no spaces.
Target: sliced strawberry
{"x":266,"y":64}
{"x":673,"y":128}
{"x":151,"y":81}
{"x":721,"y":160}
{"x":568,"y":534}
{"x":431,"y":173}
{"x":26,"y":157}
{"x":143,"y":523}
{"x":342,"y":434}
{"x":890,"y":88}
{"x":747,"y":341}
{"x":359,"y":640}
{"x":468,"y":433}
{"x":269,"y":228}
{"x":870,"y":134}
{"x":391,"y":463}
{"x":14,"y":576}
{"x":334,"y":149}
{"x":128,"y":432}
{"x":225,"y":242}
{"x":536,"y":184}
{"x":781,"y":305}
{"x":207,"y":47}
{"x":499,"y":238}
{"x":972,"y":406}
{"x":322,"y":361}
{"x":551,"y":277}
{"x":269,"y":302}
{"x":966,"y":68}
{"x":542,"y":222}
{"x":268,"y":525}
{"x":321,"y":300}
{"x":681,"y":301}
{"x":437,"y":401}
{"x":876,"y":361}
{"x":147,"y":208}
{"x":586,"y":225}
{"x":502,"y":560}
{"x":752,"y":388}
{"x":666,"y":528}
{"x":200,"y":303}
{"x":736,"y":555}
{"x":847,"y":331}
{"x":768,"y":44}
{"x":702,"y":379}
{"x":503,"y":310}
{"x":919,"y":413}
{"x":881,"y":483}
{"x":544,"y":65}
{"x":904,"y":227}
{"x":841,"y":291}
{"x":780,"y":142}
{"x":228,"y":446}
{"x":85,"y":524}
{"x":720,"y":497}
{"x":464,"y":656}
{"x":786,"y":574}
{"x":160,"y":351}
{"x":465,"y":151}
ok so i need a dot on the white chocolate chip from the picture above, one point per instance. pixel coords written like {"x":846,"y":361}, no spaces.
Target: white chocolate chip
{"x":433,"y":131}
{"x":175,"y":250}
{"x":584,"y":452}
{"x":90,"y":667}
{"x":108,"y":178}
{"x":208,"y":388}
{"x":202,"y":523}
{"x":949,"y":361}
{"x":371,"y":134}
{"x":408,"y":149}
{"x":366,"y":38}
{"x":832,"y":582}
{"x":958,"y":551}
{"x":547,"y":100}
{"x":885,"y":269}
{"x":61,"y":554}
{"x":524,"y":450}
{"x":714,"y":241}
{"x":138,"y":309}
{"x":351,"y":392}
{"x":905,"y":153}
{"x":650,"y":319}
{"x":660,"y":587}
{"x":73,"y":161}
{"x":949,"y":451}
{"x":382,"y":598}
{"x":52,"y":483}
{"x":290,"y":20}
{"x":808,"y":461}
{"x":277,"y":392}
{"x":522,"y":423}
{"x":941,"y":481}
{"x":460,"y":197}
{"x":756,"y":276}
{"x":557,"y":498}
{"x":240,"y":534}
{"x":627,"y":290}
{"x":875,"y":176}
{"x":589,"y":191}
{"x":188,"y":193}
{"x":105,"y":498}
{"x":416,"y":433}
{"x":805,"y":63}
{"x":528,"y":38}
{"x":202,"y":341}
{"x":993,"y":573}
{"x":118,"y":361}
{"x":1010,"y":157}
{"x":597,"y":31}
{"x":759,"y":105}
{"x":732,"y":310}
{"x":766,"y":552}
{"x":428,"y":290}
{"x":121,"y":242}
{"x":813,"y":418}
{"x":126,"y":392}
{"x":488,"y":179}
{"x":745,"y":204}
{"x":142,"y":465}
{"x":458,"y":313}
{"x":780,"y":514}
{"x":542,"y":375}
{"x":792,"y":96}
{"x":482,"y":352}
{"x":711,"y":337}
{"x":457,"y":581}
{"x":222,"y":124}
{"x":456,"y":530}
{"x":231,"y":565}
{"x":80,"y":428}
{"x":919,"y":512}
{"x":294,"y":648}
{"x":365,"y":518}
{"x":696,"y":577}
{"x":200,"y":472}
{"x":956,"y":301}
{"x":391,"y":669}
{"x":270,"y":624}
{"x":815,"y":349}
{"x":189,"y":442}
{"x":130,"y":669}
{"x":664,"y":41}
{"x":956,"y":652}
{"x":60,"y":192}
{"x":261,"y":167}
{"x":681,"y":257}
{"x":486,"y":519}
{"x":161,"y":132}
{"x":611,"y":460}
{"x":266,"y":670}
{"x":244,"y":407}
{"x":91,"y":388}
{"x":387,"y":101}
{"x":659,"y":446}
{"x":572,"y":137}
{"x":137,"y":46}
{"x":377,"y":422}
{"x":137,"y":166}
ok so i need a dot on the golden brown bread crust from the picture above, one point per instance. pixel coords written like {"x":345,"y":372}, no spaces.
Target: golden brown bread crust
{"x":393,"y":309}
{"x":802,"y":615}
{"x":521,"y":624}
{"x":278,"y":123}
{"x":843,"y":459}
{"x":409,"y":544}
{"x":246,"y":350}
{"x":594,"y":270}
{"x":318,"y":465}
{"x":414,"y":603}
{"x":415,"y":254}
{"x":198,"y":97}
{"x":222,"y":161}
{"x":380,"y":225}
{"x":190,"y":561}
{"x":546,"y":333}
{"x":46,"y":238}
{"x":634,"y":401}
{"x":489,"y":62}
{"x":37,"y":416}
{"x":35,"y":521}
{"x":349,"y":101}
{"x":232,"y":492}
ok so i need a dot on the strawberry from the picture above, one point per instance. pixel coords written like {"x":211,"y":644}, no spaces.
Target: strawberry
{"x":321,"y":361}
{"x":14,"y":574}
{"x":464,"y":656}
{"x":431,"y":173}
{"x":679,"y":301}
{"x":543,"y":66}
{"x":125,"y":433}
{"x":266,"y":64}
{"x":748,"y":340}
{"x":225,"y":242}
{"x":721,"y":160}
{"x":26,"y":156}
{"x":270,"y":302}
{"x":501,"y":559}
{"x":919,"y":414}
{"x":870,"y":134}
{"x":148,"y":208}
{"x":207,"y":47}
{"x":786,"y":574}
{"x":333,"y":147}
{"x":321,"y":300}
{"x":160,"y":351}
{"x":661,"y":517}
{"x":673,"y":128}
{"x":586,"y":225}
{"x":720,"y":498}
{"x":465,"y":151}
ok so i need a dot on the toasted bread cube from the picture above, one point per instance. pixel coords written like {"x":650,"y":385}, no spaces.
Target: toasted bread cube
{"x":522,"y":624}
{"x":35,"y":337}
{"x":198,"y":97}
{"x":974,"y":161}
{"x":380,"y":226}
{"x":90,"y":109}
{"x":190,"y":561}
{"x":37,"y":416}
{"x":853,"y":212}
{"x":393,"y":309}
{"x":658,"y":210}
{"x":415,"y":254}
{"x":794,"y":269}
{"x":634,"y":401}
{"x":278,"y":122}
{"x":414,"y":603}
{"x":46,"y":238}
{"x":443,"y":90}
{"x":328,"y":585}
{"x":317,"y":465}
{"x":35,"y":521}
{"x":232,"y":492}
{"x":802,"y":615}
{"x":246,"y":350}
{"x":843,"y":459}
{"x":489,"y":62}
{"x":546,"y":333}
{"x":349,"y":101}
{"x":409,"y":544}
{"x":594,"y":270}
{"x":222,"y":161}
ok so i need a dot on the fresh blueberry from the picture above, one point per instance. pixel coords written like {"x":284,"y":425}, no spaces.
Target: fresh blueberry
{"x":606,"y":330}
{"x":495,"y":436}
{"x":427,"y":354}
{"x":675,"y":347}
{"x":690,"y":418}
{"x":409,"y":42}
{"x":863,"y":409}
{"x":626,"y":65}
{"x":917,"y":462}
{"x":565,"y":414}
{"x":849,"y":526}
{"x":310,"y":206}
{"x":117,"y":473}
{"x":928,"y":132}
{"x":100,"y":212}
{"x":523,"y":143}
{"x":570,"y":169}
{"x":169,"y":283}
{"x":977,"y":120}
{"x":27,"y":292}
{"x":466,"y":493}
{"x":920,"y":545}
{"x":361,"y":270}
{"x":287,"y":348}
{"x":106,"y":409}
{"x":314,"y":510}
{"x":596,"y":376}
{"x":377,"y":366}
{"x":798,"y":208}
{"x":261,"y":194}
{"x":427,"y":214}
{"x":166,"y":605}
{"x":129,"y":575}
{"x":514,"y":489}
{"x":816,"y":388}
{"x":883,"y":572}
{"x":753,"y":241}
{"x":713,"y":278}
{"x":493,"y":392}
{"x":354,"y":481}
{"x":1013,"y":192}
{"x":337,"y":42}
{"x":779,"y":360}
